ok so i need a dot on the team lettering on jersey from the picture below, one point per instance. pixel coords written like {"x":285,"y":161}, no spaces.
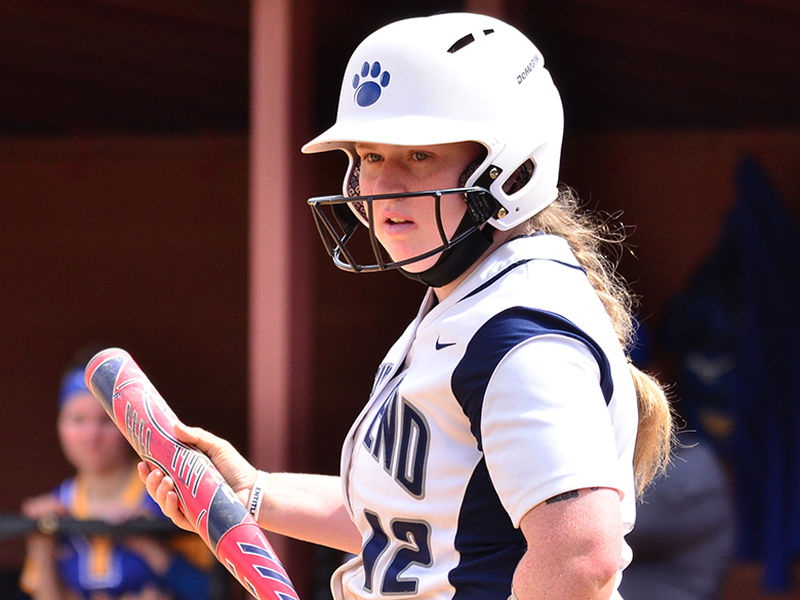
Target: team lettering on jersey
{"x":398,"y":439}
{"x":380,"y":377}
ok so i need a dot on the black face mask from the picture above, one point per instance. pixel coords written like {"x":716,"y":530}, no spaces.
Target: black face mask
{"x":337,"y":223}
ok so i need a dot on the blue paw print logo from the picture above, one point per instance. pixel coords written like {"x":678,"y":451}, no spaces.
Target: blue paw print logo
{"x":369,"y":83}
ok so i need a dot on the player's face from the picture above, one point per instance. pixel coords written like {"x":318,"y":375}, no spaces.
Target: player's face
{"x":90,"y":440}
{"x":406,"y":227}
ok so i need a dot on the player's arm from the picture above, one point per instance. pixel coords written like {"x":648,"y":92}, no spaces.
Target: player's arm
{"x":574,"y":543}
{"x":303,"y":506}
{"x":544,"y":402}
{"x":40,"y":577}
{"x":309,"y":507}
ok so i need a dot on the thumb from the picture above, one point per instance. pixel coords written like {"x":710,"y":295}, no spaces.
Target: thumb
{"x":196,"y":436}
{"x":205,"y":441}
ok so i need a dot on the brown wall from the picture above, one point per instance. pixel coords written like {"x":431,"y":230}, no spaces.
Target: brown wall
{"x":674,"y":188}
{"x":134,"y":242}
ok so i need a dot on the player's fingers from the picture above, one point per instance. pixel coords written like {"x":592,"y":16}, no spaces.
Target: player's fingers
{"x":235,"y":469}
{"x":144,"y":470}
{"x":165,"y":486}
{"x":173,"y":510}
{"x":162,"y":489}
{"x":152,"y":482}
{"x":43,"y":506}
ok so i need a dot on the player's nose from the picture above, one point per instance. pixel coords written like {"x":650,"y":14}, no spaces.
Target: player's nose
{"x":390,"y":179}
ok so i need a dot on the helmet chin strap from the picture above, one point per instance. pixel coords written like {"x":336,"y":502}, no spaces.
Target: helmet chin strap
{"x":455,"y":260}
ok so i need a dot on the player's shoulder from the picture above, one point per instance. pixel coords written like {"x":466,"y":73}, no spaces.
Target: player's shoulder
{"x":536,"y":271}
{"x":528,"y":265}
{"x":531,"y":286}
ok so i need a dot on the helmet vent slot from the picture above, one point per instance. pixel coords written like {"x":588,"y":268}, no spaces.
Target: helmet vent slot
{"x":488,"y":31}
{"x":519,"y":178}
{"x":464,"y":41}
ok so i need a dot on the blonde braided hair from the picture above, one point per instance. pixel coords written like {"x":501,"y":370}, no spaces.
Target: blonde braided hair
{"x":590,"y":239}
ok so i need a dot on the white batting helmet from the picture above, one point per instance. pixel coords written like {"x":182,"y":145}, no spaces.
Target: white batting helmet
{"x":456,"y":77}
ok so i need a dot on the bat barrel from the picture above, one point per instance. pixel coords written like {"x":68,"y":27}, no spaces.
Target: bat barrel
{"x":219,"y":517}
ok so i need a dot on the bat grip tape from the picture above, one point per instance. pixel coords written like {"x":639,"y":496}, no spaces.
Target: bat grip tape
{"x":257,"y":494}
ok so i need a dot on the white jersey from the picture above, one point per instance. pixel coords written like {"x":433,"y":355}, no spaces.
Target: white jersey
{"x":512,"y":390}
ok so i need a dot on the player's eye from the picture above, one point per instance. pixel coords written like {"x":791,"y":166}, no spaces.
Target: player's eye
{"x":419,"y":155}
{"x":371,"y":157}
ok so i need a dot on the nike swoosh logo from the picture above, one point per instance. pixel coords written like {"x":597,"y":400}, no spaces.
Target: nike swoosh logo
{"x":440,"y":345}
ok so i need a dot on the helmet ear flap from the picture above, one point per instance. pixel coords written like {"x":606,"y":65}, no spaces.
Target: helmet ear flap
{"x":481,"y":206}
{"x":471,"y":168}
{"x":353,"y":188}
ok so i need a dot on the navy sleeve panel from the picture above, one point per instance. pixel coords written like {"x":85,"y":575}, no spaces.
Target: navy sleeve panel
{"x":489,"y":545}
{"x":496,"y":338}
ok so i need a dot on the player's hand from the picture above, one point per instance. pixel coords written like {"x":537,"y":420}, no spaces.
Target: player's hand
{"x":233,"y":467}
{"x":43,"y":506}
{"x":41,"y":547}
{"x":239,"y":473}
{"x":161,"y":488}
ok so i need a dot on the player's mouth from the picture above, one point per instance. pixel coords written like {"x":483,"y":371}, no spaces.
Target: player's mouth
{"x":396,"y":223}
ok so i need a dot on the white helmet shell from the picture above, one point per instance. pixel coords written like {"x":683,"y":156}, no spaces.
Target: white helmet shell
{"x":456,"y":77}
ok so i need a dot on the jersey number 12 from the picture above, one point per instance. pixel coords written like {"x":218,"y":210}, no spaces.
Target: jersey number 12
{"x":413,"y":548}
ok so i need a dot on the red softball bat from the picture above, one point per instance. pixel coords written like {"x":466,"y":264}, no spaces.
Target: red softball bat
{"x":219,"y":517}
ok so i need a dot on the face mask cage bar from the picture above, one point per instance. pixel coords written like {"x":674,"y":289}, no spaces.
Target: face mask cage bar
{"x":337,"y":225}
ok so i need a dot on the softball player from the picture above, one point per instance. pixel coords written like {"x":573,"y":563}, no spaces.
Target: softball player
{"x":498,"y":450}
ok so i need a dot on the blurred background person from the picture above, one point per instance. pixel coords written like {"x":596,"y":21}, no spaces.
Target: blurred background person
{"x":683,"y":542}
{"x":105,"y":487}
{"x":684,"y":536}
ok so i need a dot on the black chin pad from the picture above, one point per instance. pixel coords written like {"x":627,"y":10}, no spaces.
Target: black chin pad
{"x":345,"y":217}
{"x":457,"y":258}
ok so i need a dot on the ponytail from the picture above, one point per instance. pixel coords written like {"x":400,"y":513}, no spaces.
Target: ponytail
{"x":655,"y":432}
{"x":587,"y":238}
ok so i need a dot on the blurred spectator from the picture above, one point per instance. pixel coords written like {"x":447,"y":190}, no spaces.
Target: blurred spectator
{"x":735,"y":336}
{"x":684,"y":536}
{"x":106,"y":487}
